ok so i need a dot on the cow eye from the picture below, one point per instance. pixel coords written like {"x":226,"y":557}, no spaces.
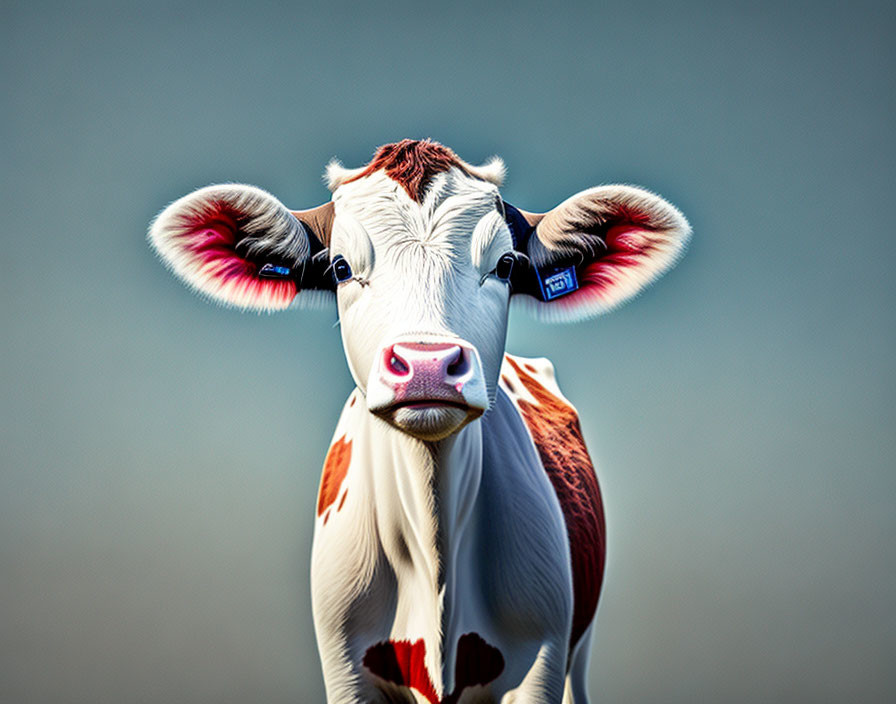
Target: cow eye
{"x":504,"y":267}
{"x":341,"y":269}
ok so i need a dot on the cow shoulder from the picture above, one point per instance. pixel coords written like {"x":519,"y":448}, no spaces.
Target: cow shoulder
{"x":554,"y":427}
{"x":333,"y":490}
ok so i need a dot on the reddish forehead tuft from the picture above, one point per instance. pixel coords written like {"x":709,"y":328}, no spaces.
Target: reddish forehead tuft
{"x":411,"y":163}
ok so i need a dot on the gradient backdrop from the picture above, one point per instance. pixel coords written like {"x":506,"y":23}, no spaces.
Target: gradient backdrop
{"x":160,"y":456}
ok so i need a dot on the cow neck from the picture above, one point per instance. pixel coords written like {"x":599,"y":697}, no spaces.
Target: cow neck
{"x":424,"y":493}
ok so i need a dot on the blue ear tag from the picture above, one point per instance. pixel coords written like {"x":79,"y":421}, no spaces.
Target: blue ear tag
{"x":557,"y":282}
{"x":274,"y":271}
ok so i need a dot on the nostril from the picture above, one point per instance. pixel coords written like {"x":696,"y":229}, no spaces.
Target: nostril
{"x":395,"y":364}
{"x":460,"y":364}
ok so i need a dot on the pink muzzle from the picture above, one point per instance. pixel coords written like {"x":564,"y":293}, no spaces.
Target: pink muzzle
{"x":413,"y":373}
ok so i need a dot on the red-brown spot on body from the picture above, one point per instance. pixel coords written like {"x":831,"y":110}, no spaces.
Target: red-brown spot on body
{"x":335,"y":468}
{"x":478,"y":663}
{"x":554,"y":426}
{"x":411,"y":163}
{"x":404,"y":663}
{"x":354,"y":398}
{"x":342,"y":500}
{"x":508,"y":382}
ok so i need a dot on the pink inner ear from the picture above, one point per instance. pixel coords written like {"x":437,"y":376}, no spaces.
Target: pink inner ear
{"x":628,"y":246}
{"x":209,"y":238}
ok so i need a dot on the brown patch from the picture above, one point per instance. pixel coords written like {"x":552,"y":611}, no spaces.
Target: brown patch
{"x":354,"y":398}
{"x":554,"y":426}
{"x":510,"y":384}
{"x":477,"y":663}
{"x":319,"y":220}
{"x":342,"y":500}
{"x":404,"y":663}
{"x":335,"y":468}
{"x":412,"y":163}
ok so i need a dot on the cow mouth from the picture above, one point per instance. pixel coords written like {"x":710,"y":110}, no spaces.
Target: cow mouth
{"x":429,"y":419}
{"x":426,"y":403}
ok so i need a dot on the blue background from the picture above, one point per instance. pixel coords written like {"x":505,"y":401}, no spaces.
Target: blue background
{"x":160,"y":456}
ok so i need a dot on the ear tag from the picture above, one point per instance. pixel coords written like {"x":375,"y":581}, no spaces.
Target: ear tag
{"x":274,"y":271}
{"x":557,"y":282}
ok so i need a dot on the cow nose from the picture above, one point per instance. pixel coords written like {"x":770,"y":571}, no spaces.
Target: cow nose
{"x":426,"y":371}
{"x":428,"y":388}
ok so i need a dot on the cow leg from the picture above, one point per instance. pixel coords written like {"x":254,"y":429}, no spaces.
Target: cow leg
{"x":543,"y":684}
{"x":345,"y":684}
{"x":577,"y":679}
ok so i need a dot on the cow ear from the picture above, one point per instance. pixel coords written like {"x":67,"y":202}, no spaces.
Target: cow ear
{"x":240,"y":246}
{"x":598,"y":249}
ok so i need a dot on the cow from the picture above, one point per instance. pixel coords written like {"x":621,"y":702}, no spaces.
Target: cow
{"x":459,"y":543}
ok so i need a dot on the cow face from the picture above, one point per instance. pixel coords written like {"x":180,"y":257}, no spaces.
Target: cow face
{"x":422,"y":307}
{"x":423,"y":257}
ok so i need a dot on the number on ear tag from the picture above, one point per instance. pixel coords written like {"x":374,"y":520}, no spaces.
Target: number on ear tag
{"x":274,"y":271}
{"x":557,"y":282}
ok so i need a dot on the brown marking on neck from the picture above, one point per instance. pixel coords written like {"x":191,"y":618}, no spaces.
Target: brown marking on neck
{"x":412,"y":163}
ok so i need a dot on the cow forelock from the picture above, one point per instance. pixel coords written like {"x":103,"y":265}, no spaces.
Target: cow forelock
{"x":421,"y":268}
{"x":412,"y":164}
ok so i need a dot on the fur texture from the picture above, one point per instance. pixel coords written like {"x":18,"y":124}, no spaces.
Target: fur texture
{"x":412,"y":163}
{"x":456,"y":557}
{"x":554,"y":426}
{"x":438,"y":548}
{"x":622,"y":238}
{"x":217,"y":238}
{"x":414,"y":267}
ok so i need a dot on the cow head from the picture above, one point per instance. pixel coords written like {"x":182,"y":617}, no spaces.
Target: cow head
{"x":423,"y":256}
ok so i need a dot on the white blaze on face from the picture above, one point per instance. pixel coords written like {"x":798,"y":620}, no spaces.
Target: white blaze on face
{"x":423,"y":275}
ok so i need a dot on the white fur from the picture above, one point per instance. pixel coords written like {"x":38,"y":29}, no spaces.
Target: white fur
{"x":433,"y":540}
{"x":269,"y":227}
{"x":427,"y":279}
{"x":492,"y":171}
{"x":436,"y":540}
{"x":668,"y":234}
